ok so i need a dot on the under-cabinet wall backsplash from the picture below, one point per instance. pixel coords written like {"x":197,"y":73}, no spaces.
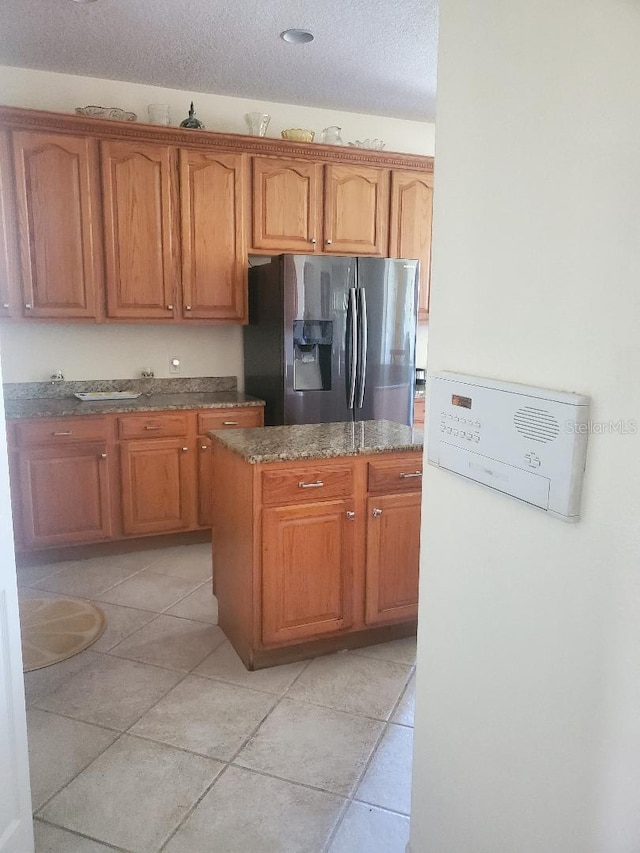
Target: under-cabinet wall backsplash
{"x":31,"y":352}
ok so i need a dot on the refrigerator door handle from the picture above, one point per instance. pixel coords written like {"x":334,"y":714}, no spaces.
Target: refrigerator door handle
{"x":352,"y":344}
{"x":362,"y":345}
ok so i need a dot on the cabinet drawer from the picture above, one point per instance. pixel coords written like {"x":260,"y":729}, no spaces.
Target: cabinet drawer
{"x":395,"y":476}
{"x":418,"y":413}
{"x":153,"y":426}
{"x":60,"y":431}
{"x":307,"y":484}
{"x":230,"y":419}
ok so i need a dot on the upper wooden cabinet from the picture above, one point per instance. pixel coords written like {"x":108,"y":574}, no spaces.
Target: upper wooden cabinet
{"x":411,"y":216}
{"x":307,"y":208}
{"x":57,"y":207}
{"x":139,"y":216}
{"x":9,"y":296}
{"x":286,"y":198}
{"x":356,"y":210}
{"x":214,"y":251}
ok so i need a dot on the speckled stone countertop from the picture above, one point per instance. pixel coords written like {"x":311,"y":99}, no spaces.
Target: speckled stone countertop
{"x":55,"y":399}
{"x":319,"y":441}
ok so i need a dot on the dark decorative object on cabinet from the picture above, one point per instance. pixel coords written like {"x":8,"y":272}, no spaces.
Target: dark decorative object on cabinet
{"x":192,"y":121}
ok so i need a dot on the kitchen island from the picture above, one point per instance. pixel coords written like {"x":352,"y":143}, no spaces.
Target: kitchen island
{"x":316,"y":537}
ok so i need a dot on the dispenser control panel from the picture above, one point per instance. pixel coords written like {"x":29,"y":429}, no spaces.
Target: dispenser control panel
{"x":529,"y":443}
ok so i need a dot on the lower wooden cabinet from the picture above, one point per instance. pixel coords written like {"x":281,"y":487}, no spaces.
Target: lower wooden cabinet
{"x":90,"y":479}
{"x":158,"y":479}
{"x":64,"y":495}
{"x":393,"y":557}
{"x":315,"y":551}
{"x":307,"y":570}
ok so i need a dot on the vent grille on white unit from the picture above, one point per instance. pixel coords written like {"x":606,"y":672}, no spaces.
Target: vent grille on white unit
{"x":536,"y":424}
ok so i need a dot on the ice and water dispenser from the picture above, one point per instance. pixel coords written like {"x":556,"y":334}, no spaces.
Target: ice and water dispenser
{"x":312,"y":344}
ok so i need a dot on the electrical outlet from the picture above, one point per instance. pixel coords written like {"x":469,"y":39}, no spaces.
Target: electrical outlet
{"x":174,"y":365}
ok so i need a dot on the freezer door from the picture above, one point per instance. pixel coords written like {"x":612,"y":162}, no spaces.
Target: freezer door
{"x":317,"y":359}
{"x":390,"y":298}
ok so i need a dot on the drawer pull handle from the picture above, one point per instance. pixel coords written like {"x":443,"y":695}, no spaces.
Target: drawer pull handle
{"x":317,"y":485}
{"x":185,"y":449}
{"x":63,"y":432}
{"x":153,"y":427}
{"x":229,"y":423}
{"x":404,"y":476}
{"x":28,"y":305}
{"x":351,"y":515}
{"x":103,"y":456}
{"x":5,"y":305}
{"x":204,"y":447}
{"x":377,"y":512}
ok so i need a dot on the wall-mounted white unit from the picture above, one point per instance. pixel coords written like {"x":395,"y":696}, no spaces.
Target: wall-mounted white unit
{"x":530,"y":443}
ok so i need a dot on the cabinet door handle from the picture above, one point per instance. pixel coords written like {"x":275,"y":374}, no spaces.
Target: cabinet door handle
{"x":5,"y":305}
{"x":185,"y":449}
{"x":229,"y":423}
{"x":317,"y":485}
{"x":313,"y":241}
{"x":377,"y":512}
{"x":350,"y":515}
{"x":204,"y":447}
{"x":169,"y":307}
{"x":27,"y":305}
{"x":187,"y":307}
{"x":404,"y":476}
{"x":63,"y":432}
{"x":103,"y":456}
{"x":153,"y":427}
{"x":328,"y":242}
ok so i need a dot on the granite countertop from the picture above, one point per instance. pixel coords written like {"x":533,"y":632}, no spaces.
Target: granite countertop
{"x":318,"y":441}
{"x":55,"y":399}
{"x":69,"y":406}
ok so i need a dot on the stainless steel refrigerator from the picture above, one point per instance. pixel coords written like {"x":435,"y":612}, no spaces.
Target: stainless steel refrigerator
{"x":332,"y":338}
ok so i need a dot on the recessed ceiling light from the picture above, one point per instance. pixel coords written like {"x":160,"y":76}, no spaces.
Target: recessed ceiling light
{"x":297,"y":36}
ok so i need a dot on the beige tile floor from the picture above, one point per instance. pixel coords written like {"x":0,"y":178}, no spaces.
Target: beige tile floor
{"x":158,"y":739}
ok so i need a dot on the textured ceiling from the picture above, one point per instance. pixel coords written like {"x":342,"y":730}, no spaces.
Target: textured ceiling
{"x":369,"y":56}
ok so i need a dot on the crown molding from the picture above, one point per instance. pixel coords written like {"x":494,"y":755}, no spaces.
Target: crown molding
{"x":18,"y":118}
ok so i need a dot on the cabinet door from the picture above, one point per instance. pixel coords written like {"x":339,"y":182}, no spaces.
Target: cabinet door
{"x":307,"y":570}
{"x":393,"y":557}
{"x":63,"y":495}
{"x":9,"y":293}
{"x":205,"y":481}
{"x":411,"y":215}
{"x":137,"y":181}
{"x":57,"y":204}
{"x":214,"y":255}
{"x":286,"y":204}
{"x":356,"y":210}
{"x":157,"y":486}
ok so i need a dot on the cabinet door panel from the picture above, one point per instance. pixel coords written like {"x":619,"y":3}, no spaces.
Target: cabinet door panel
{"x":60,"y":254}
{"x":64,"y":495}
{"x":356,"y":210}
{"x":411,"y":217}
{"x":393,"y":557}
{"x":205,"y":481}
{"x":286,"y":199}
{"x":138,"y":223}
{"x":157,"y":486}
{"x":307,"y":570}
{"x":214,"y":262}
{"x":9,"y":283}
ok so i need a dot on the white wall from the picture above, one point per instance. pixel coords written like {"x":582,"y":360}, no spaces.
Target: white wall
{"x":31,"y":350}
{"x":528,"y":697}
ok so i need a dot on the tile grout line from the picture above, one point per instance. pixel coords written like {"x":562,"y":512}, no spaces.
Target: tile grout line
{"x":88,"y":837}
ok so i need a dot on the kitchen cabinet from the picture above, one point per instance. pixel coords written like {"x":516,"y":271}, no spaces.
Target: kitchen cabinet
{"x":61,"y":489}
{"x":393,"y":557}
{"x":214,"y":253}
{"x":356,"y":210}
{"x":9,"y":295}
{"x":419,"y":412}
{"x":307,"y":569}
{"x":94,"y":478}
{"x":57,"y":198}
{"x":139,"y":215}
{"x":286,"y":201}
{"x":314,"y":555}
{"x":223,"y":419}
{"x":411,"y":218}
{"x":307,"y":208}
